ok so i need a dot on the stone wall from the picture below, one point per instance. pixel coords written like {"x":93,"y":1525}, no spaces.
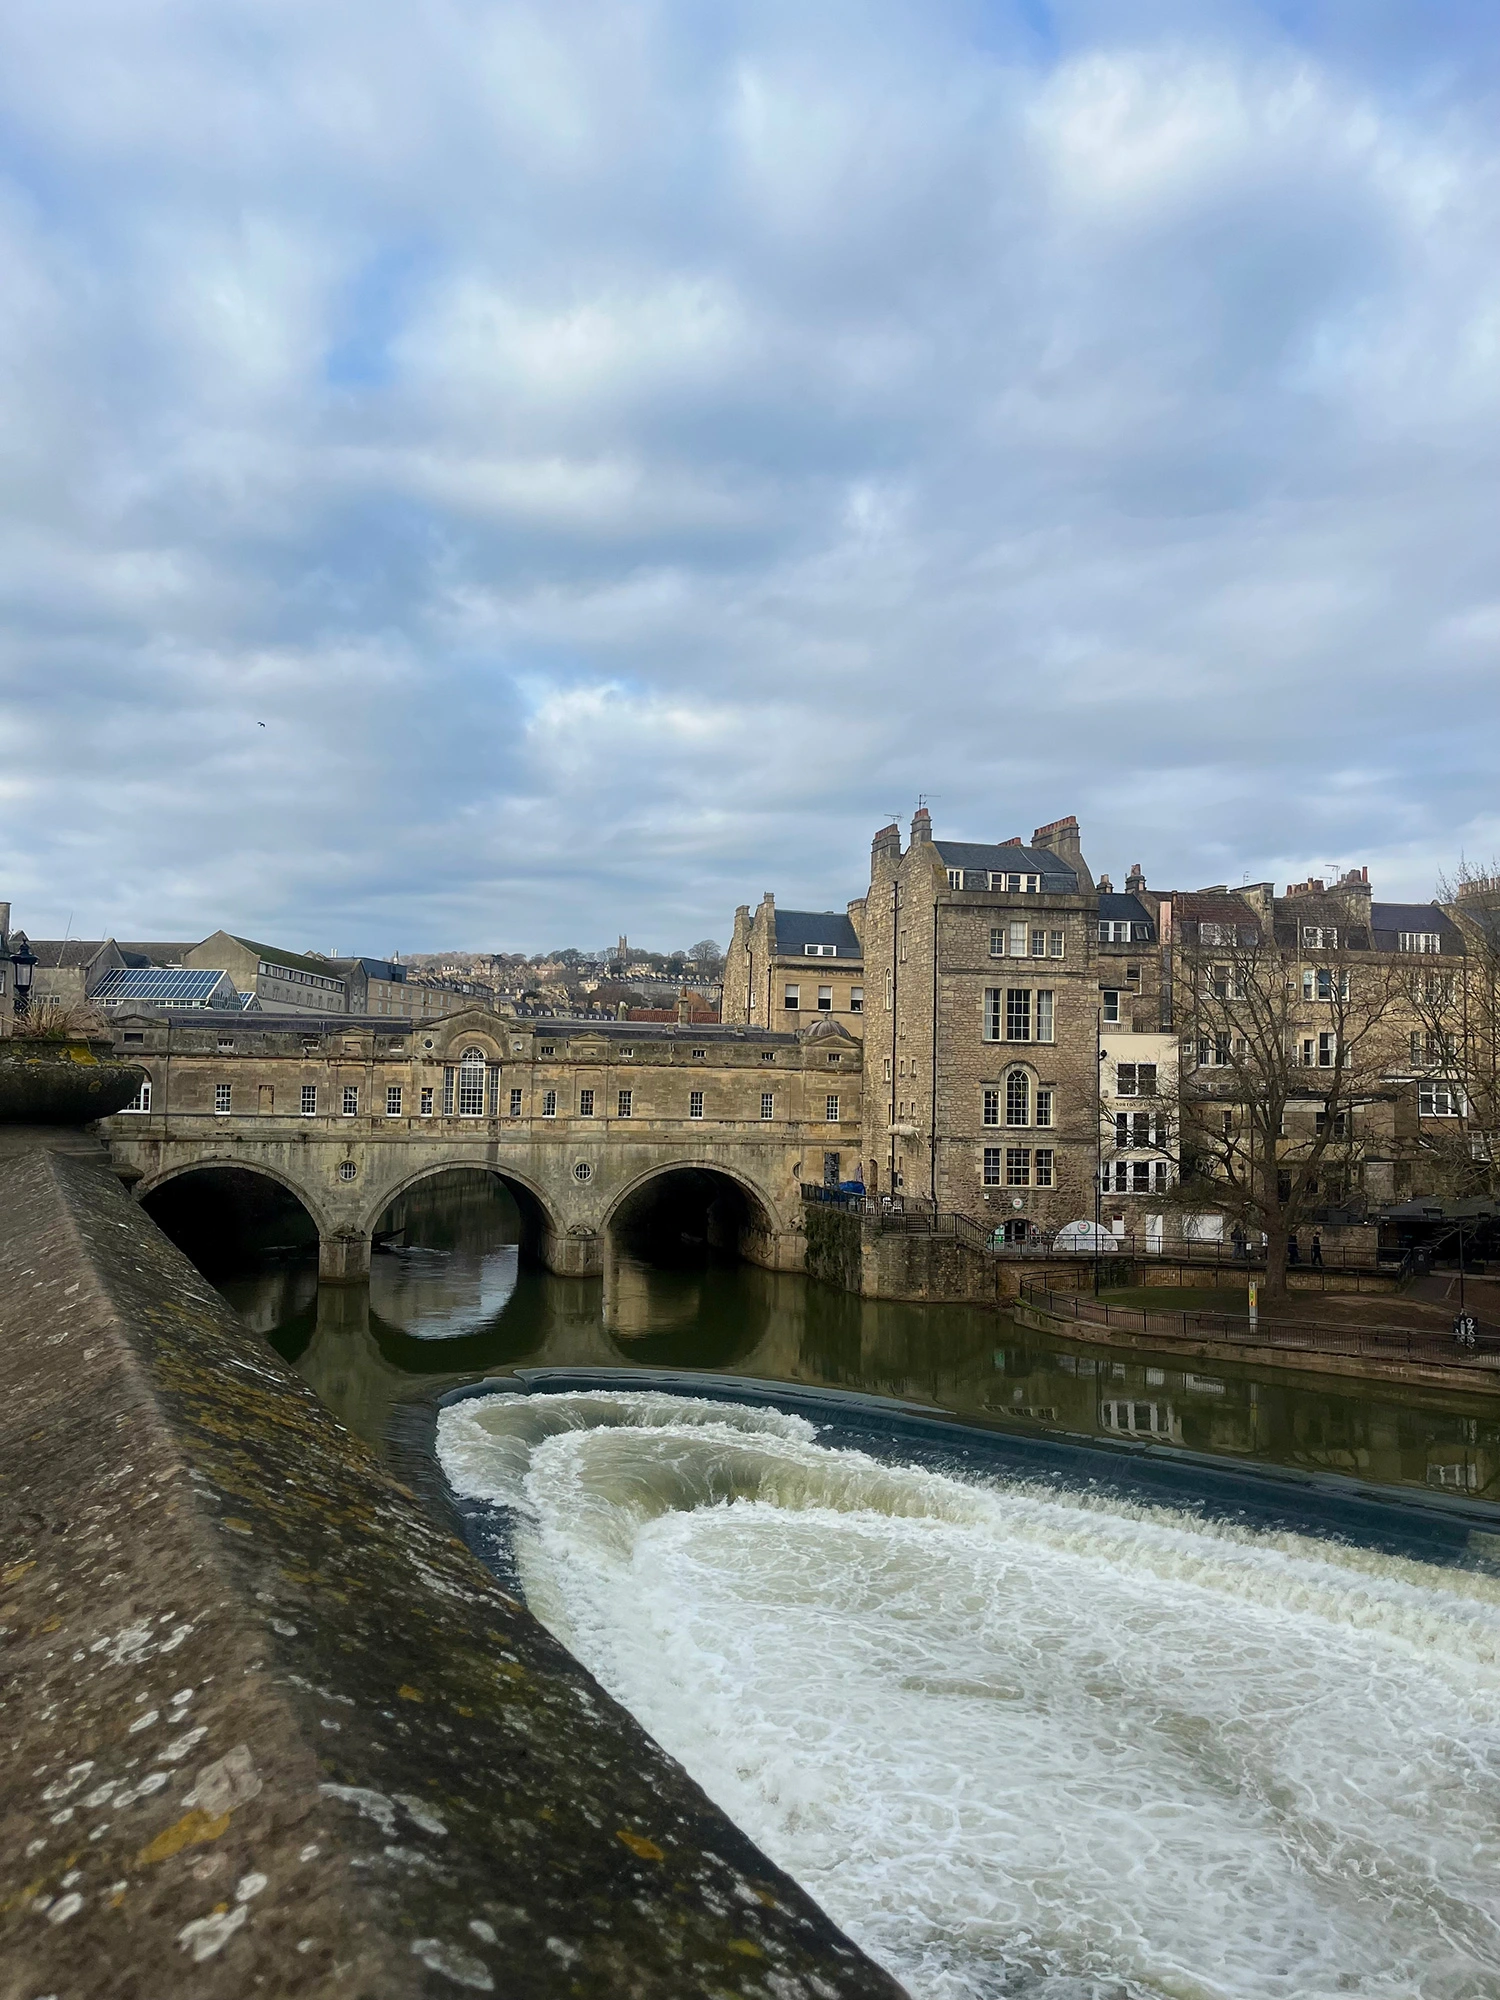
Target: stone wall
{"x":269,"y":1726}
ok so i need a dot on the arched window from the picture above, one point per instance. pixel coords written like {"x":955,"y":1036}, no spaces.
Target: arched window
{"x":1018,"y":1098}
{"x":471,"y":1084}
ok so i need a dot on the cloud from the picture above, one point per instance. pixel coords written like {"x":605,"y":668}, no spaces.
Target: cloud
{"x":622,"y":457}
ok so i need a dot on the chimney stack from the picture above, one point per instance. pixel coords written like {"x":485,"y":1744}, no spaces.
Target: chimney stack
{"x":921,"y":826}
{"x":1062,"y":838}
{"x":1135,"y":880}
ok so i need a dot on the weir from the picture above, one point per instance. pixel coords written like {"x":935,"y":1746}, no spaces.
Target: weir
{"x":272,"y":1727}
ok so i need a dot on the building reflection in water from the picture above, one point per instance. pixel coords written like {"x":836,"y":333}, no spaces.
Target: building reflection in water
{"x":450,"y":1302}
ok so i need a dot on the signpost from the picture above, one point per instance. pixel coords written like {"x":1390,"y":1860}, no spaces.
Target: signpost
{"x":1254,"y":1305}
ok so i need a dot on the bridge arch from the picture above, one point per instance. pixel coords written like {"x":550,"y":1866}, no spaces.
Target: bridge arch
{"x":538,"y":1223}
{"x":210,"y":1209}
{"x":680,"y":1203}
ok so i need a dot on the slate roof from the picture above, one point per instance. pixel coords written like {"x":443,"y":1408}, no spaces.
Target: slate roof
{"x":63,"y":954}
{"x":1118,"y":908}
{"x":274,"y":955}
{"x":1057,"y":878}
{"x":137,"y":953}
{"x":1211,"y":906}
{"x":796,"y":929}
{"x":1388,"y":920}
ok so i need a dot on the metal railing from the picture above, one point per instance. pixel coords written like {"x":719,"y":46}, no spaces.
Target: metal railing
{"x":915,"y":1215}
{"x":1390,"y":1342}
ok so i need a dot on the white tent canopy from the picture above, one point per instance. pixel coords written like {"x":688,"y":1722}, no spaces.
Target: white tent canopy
{"x":1085,"y":1238}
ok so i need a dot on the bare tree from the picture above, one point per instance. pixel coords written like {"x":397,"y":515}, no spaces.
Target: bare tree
{"x":1285,"y":1057}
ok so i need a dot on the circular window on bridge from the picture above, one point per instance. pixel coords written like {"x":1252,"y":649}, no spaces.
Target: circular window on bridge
{"x":347,"y":1170}
{"x":583,"y":1171}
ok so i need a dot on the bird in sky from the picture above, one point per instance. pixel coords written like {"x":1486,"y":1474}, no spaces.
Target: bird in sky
{"x":260,"y":725}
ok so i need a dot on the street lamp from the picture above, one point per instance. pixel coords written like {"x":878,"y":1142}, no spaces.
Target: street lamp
{"x":23,"y":960}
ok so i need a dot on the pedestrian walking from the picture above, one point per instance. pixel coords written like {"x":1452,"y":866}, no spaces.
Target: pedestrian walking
{"x":1317,"y":1247}
{"x":1293,"y":1249}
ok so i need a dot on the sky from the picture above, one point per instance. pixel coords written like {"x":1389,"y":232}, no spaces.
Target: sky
{"x":497,"y":475}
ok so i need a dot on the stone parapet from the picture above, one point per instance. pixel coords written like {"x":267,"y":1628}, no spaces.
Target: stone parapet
{"x":270,"y":1728}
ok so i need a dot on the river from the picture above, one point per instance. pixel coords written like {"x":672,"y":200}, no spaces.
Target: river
{"x":1021,"y":1736}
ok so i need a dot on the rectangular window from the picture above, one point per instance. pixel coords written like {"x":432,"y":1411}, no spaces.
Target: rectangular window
{"x":1018,"y":940}
{"x":625,"y":1104}
{"x":1039,"y":944}
{"x":767,"y":1104}
{"x":1216,"y":934}
{"x":351,"y":1100}
{"x":1044,"y":1107}
{"x":791,"y":999}
{"x":223,"y":1098}
{"x":825,"y":999}
{"x":309,"y":1100}
{"x":393,"y":1100}
{"x":1140,"y":1177}
{"x":993,"y":996}
{"x":585,"y":1104}
{"x":1017,"y":1014}
{"x":1327,"y":1045}
{"x":1042,"y":1159}
{"x":424,"y":1102}
{"x":992,"y":1107}
{"x":997,"y":941}
{"x":992,"y":1166}
{"x":695,"y":1104}
{"x":1437,"y":1100}
{"x":1055,"y":942}
{"x":955,"y":878}
{"x":142,"y":1099}
{"x":832,"y":1109}
{"x":1018,"y":1098}
{"x":1159,"y":1176}
{"x":1017,"y":1166}
{"x":515,"y":1104}
{"x":448,"y":1092}
{"x":1424,"y":941}
{"x":1320,"y":937}
{"x":856,"y":999}
{"x":1111,"y":1005}
{"x":1044,"y":1011}
{"x":549,"y":1103}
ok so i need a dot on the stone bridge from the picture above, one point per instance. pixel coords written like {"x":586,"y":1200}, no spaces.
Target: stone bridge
{"x":596,"y":1128}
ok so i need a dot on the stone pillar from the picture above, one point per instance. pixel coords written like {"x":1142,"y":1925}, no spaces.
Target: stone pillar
{"x":344,"y":1258}
{"x":572,"y":1253}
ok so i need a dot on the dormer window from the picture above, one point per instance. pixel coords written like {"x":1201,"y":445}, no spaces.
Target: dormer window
{"x":1016,"y":885}
{"x":832,"y":950}
{"x":1320,"y":937}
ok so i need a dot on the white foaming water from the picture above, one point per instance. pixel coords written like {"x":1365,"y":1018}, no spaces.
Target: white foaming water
{"x":1020,"y":1741}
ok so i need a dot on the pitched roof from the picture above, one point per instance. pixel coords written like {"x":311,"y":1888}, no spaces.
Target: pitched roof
{"x":135,"y":952}
{"x":1009,"y":858}
{"x":60,"y":954}
{"x":796,"y":929}
{"x":1389,"y":920}
{"x":274,"y":955}
{"x":1125,"y":909}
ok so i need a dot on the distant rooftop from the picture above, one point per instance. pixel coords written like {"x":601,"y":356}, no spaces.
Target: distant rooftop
{"x":797,"y":929}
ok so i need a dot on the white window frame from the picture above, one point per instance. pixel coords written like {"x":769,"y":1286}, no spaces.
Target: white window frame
{"x":825,"y":999}
{"x":549,"y":1103}
{"x":1018,"y":1097}
{"x":140,"y":1104}
{"x":1043,"y":1166}
{"x":831,"y":1108}
{"x":393,"y":1100}
{"x":856,"y":999}
{"x":515,"y":1104}
{"x":992,"y":1166}
{"x":1320,"y":937}
{"x":223,"y":1100}
{"x":309,"y":1100}
{"x":1109,"y":999}
{"x":767,"y":1106}
{"x":791,"y":997}
{"x":350,"y":1100}
{"x":695,"y":1104}
{"x":1426,"y":942}
{"x":625,"y":1104}
{"x":990,"y":1107}
{"x":425,"y":1099}
{"x":586,"y":1103}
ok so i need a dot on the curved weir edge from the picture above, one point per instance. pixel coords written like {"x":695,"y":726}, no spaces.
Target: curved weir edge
{"x":272,"y":1725}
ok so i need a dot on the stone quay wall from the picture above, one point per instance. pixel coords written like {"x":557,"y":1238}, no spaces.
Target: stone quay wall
{"x":269,"y":1726}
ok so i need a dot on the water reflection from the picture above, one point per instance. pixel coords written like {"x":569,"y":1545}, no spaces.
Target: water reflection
{"x":448,"y":1302}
